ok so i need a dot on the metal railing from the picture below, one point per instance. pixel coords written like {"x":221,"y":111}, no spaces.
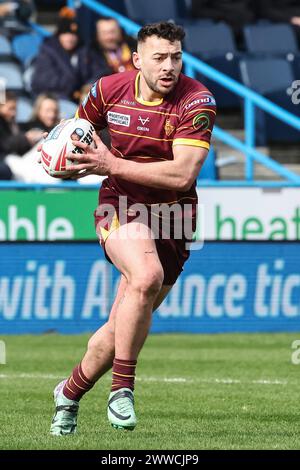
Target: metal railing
{"x":252,"y":100}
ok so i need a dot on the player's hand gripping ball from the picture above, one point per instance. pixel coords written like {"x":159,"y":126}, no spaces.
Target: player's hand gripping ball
{"x":58,"y":144}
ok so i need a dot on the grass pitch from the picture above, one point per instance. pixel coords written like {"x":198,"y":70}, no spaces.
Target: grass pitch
{"x":238,"y":391}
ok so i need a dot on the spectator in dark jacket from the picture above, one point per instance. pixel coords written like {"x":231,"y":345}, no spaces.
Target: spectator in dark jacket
{"x":111,"y":48}
{"x":237,"y":13}
{"x":12,"y":140}
{"x":14,"y":15}
{"x":282,"y":11}
{"x":62,"y":65}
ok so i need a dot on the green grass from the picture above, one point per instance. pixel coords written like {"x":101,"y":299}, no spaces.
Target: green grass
{"x":221,"y":404}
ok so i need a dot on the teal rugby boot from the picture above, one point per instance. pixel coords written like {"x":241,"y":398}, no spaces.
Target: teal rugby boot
{"x":120,"y":409}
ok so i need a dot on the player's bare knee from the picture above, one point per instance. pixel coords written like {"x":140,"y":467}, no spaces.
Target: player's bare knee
{"x":148,"y":283}
{"x":93,"y":346}
{"x":97,"y":346}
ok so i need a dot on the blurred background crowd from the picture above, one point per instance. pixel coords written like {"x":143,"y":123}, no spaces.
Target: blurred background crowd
{"x":47,"y":76}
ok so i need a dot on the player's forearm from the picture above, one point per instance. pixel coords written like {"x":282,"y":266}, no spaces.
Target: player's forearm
{"x":162,"y":175}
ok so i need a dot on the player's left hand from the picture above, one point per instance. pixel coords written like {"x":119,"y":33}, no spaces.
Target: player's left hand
{"x":96,"y":160}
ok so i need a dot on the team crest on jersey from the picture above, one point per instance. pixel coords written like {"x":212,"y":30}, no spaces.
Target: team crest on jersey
{"x":169,"y":128}
{"x":201,"y":121}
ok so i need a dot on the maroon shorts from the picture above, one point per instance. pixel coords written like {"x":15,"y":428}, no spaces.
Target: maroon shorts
{"x":172,"y":247}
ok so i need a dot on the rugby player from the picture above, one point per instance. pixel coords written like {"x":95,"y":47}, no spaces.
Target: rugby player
{"x":160,"y":122}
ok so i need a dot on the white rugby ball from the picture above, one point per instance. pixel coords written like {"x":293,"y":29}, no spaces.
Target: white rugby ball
{"x":58,"y":144}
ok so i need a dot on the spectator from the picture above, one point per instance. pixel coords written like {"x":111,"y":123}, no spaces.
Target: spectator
{"x":282,"y":11}
{"x":12,"y":140}
{"x":6,"y":8}
{"x":45,"y":113}
{"x":237,"y":13}
{"x":14,"y":15}
{"x":62,"y":65}
{"x":112,"y":48}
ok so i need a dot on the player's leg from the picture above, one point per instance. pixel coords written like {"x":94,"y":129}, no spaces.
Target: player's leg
{"x":97,"y":360}
{"x":100,"y":353}
{"x":101,"y":347}
{"x":161,"y":296}
{"x":137,"y":259}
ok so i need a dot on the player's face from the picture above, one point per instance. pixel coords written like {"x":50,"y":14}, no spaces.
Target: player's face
{"x":8,"y":110}
{"x":160,"y":62}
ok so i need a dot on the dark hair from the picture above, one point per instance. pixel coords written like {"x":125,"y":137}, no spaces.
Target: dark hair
{"x":10,"y":96}
{"x":165,"y":30}
{"x":107,"y":18}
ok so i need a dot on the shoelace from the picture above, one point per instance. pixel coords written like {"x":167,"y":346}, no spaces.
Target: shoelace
{"x":124,"y":406}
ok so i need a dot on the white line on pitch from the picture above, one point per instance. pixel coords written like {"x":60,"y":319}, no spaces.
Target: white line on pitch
{"x":223,"y":381}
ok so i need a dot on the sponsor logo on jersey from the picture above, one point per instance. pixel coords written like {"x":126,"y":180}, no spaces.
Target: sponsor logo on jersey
{"x":208,"y":100}
{"x":119,"y":119}
{"x":201,"y":121}
{"x":143,"y":121}
{"x":169,"y":128}
{"x":128,"y":103}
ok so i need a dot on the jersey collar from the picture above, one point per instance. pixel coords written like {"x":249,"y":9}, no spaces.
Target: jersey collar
{"x":140,"y":100}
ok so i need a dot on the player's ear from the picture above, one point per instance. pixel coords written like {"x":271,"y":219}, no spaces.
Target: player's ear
{"x":136,"y":60}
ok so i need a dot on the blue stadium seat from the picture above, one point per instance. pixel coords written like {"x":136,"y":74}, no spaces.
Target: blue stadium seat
{"x":207,"y":40}
{"x":273,"y":40}
{"x":24,"y":110}
{"x":266,"y":75}
{"x":271,"y":78}
{"x":26,"y":47}
{"x":270,"y":39}
{"x":12,"y":75}
{"x":187,"y":22}
{"x":215,"y":44}
{"x":154,"y":10}
{"x":67,"y":109}
{"x":5,"y":46}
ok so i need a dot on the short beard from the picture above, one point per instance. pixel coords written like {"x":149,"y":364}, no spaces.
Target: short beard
{"x":154,"y":88}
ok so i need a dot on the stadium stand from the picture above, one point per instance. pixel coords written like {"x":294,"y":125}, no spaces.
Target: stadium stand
{"x":235,"y":13}
{"x":5,"y":46}
{"x":213,"y":43}
{"x":216,"y":46}
{"x":24,"y":109}
{"x":156,"y":10}
{"x":12,"y":74}
{"x":270,"y":39}
{"x":273,"y":40}
{"x":271,"y":77}
{"x":26,"y":47}
{"x":67,"y":109}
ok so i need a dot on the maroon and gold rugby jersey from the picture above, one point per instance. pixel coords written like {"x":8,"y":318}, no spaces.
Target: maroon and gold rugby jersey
{"x":145,"y":131}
